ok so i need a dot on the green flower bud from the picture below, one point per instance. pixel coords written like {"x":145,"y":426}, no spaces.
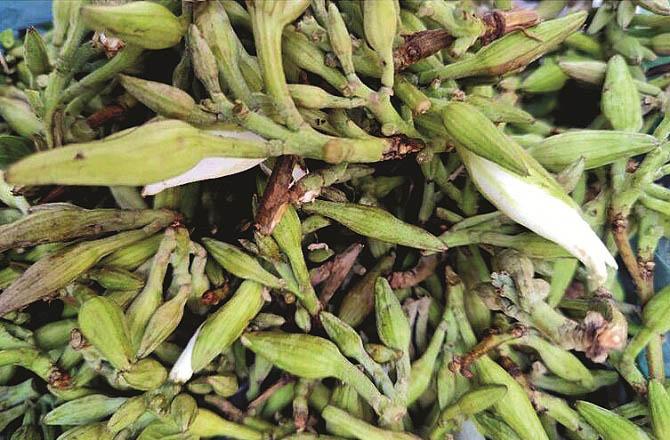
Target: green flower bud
{"x":208,"y":424}
{"x":377,"y":223}
{"x":608,"y":424}
{"x":343,"y":423}
{"x":146,"y":374}
{"x":54,"y":334}
{"x":241,"y":264}
{"x":219,"y":331}
{"x":115,"y":278}
{"x":183,"y":410}
{"x":511,"y":52}
{"x":142,"y":23}
{"x":19,"y":116}
{"x":35,"y":53}
{"x":103,"y":324}
{"x":166,"y":100}
{"x":288,"y":235}
{"x":392,"y":325}
{"x":597,"y":147}
{"x":549,"y":77}
{"x":126,"y":414}
{"x":93,"y":431}
{"x":83,"y":411}
{"x":620,"y":101}
{"x":659,"y":408}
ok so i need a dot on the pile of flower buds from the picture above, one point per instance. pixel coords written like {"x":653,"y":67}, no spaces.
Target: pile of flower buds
{"x":305,"y":219}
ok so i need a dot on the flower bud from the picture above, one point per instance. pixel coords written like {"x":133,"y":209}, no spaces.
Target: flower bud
{"x":597,"y":147}
{"x":19,"y":116}
{"x":511,"y":52}
{"x":103,"y":324}
{"x":340,"y":40}
{"x":183,"y":410}
{"x":166,"y":100}
{"x":84,"y":410}
{"x":546,"y":209}
{"x":392,"y":324}
{"x":35,"y":53}
{"x":659,"y":408}
{"x":380,"y":21}
{"x":609,"y":425}
{"x":377,"y":223}
{"x":620,"y":100}
{"x":126,"y":414}
{"x":240,"y":264}
{"x":146,"y":374}
{"x":142,"y":23}
{"x":219,"y":331}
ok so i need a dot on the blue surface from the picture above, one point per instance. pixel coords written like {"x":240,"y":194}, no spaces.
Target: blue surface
{"x":19,"y":14}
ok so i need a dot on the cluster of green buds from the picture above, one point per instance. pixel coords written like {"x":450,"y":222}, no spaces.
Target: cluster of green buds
{"x":326,"y":219}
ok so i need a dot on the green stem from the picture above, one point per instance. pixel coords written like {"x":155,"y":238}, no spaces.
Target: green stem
{"x":268,"y":39}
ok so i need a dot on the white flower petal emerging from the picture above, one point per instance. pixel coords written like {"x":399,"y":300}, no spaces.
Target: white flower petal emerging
{"x":210,"y":167}
{"x":540,"y":211}
{"x":182,"y":370}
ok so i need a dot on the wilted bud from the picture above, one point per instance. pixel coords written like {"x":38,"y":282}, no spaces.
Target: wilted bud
{"x":204,"y":63}
{"x":240,"y":264}
{"x":84,"y":410}
{"x":392,"y":325}
{"x":142,"y":23}
{"x":35,"y":53}
{"x":360,"y":299}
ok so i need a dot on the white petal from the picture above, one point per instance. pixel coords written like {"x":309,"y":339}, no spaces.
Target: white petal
{"x":182,"y":370}
{"x":541,"y":212}
{"x":210,"y":167}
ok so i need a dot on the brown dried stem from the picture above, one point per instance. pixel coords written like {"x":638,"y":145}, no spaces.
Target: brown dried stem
{"x":276,"y":195}
{"x":423,"y":44}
